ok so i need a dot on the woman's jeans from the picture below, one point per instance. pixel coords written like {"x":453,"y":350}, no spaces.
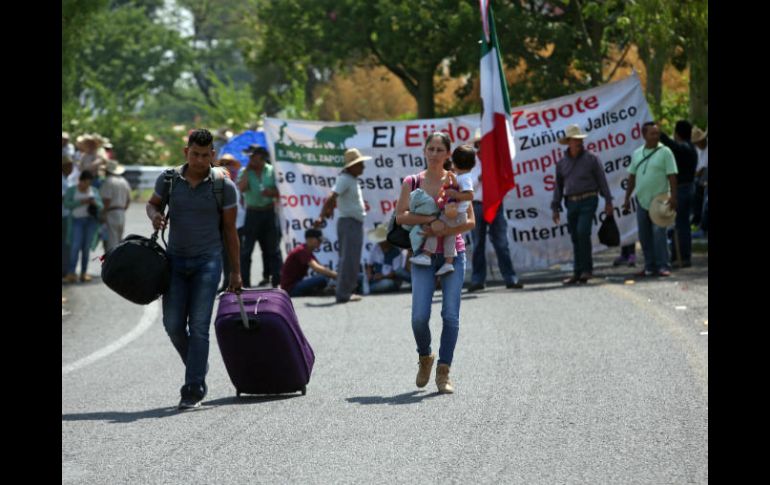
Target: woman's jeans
{"x":187,"y":307}
{"x":654,"y":243}
{"x":83,"y":230}
{"x":580,"y":219}
{"x":423,"y":285}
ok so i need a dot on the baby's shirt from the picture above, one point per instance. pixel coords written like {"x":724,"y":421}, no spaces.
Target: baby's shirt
{"x":465,"y":182}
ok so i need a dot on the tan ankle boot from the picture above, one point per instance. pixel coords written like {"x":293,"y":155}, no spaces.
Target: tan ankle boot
{"x":423,"y":373}
{"x":442,"y":379}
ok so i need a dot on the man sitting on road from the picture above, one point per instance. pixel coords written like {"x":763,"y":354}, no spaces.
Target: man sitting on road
{"x":297,"y":263}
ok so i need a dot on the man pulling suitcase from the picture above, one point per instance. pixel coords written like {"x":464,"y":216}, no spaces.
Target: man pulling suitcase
{"x":195,"y":256}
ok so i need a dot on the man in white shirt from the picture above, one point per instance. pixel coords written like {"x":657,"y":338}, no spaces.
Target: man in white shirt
{"x":350,"y":225}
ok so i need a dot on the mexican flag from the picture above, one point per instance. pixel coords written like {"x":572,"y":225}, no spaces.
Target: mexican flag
{"x":497,"y":148}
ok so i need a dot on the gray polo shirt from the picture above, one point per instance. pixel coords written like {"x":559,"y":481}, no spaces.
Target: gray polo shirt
{"x":194,"y":225}
{"x":575,"y":176}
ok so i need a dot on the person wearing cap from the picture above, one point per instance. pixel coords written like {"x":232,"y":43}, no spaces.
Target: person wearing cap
{"x":700,"y":140}
{"x":298,"y":261}
{"x":233,"y":166}
{"x":497,"y":229}
{"x":349,"y":199}
{"x":652,"y":172}
{"x":257,"y":184}
{"x":686,"y":159}
{"x":580,"y":179}
{"x":116,"y":196}
{"x":386,"y":270}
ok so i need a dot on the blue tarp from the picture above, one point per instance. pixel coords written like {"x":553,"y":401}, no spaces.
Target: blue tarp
{"x":238,"y":143}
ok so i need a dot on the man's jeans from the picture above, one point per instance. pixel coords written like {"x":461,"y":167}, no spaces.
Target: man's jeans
{"x":653,"y":240}
{"x":423,"y":285}
{"x":580,"y":219}
{"x":498,"y":234}
{"x":83,"y":230}
{"x":260,"y":226}
{"x":684,"y":199}
{"x":187,"y":308}
{"x":309,"y":286}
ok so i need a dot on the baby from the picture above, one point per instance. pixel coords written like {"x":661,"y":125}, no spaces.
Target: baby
{"x":454,"y":214}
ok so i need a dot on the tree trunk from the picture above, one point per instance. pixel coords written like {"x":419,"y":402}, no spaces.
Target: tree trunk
{"x":426,"y":107}
{"x":655,"y":62}
{"x":699,"y":85}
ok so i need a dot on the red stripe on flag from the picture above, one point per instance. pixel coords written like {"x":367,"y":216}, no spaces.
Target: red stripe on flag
{"x":496,"y":167}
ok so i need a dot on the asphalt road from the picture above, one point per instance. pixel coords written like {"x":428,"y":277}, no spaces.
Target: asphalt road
{"x":604,"y":383}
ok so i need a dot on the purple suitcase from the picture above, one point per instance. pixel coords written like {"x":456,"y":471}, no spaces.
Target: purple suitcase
{"x":262,"y":345}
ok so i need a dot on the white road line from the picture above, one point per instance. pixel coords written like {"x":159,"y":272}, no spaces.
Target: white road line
{"x":150,"y":314}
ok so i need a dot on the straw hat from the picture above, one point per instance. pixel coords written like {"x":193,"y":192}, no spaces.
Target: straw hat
{"x":660,"y":212}
{"x":353,"y":156}
{"x":698,"y":134}
{"x":114,"y":167}
{"x":573,"y":131}
{"x":378,"y":234}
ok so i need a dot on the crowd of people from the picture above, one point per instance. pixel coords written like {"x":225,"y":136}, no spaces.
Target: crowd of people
{"x":669,"y":178}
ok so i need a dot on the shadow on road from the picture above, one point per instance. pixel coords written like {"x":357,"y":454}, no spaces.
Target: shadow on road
{"x":118,"y":417}
{"x":413,"y":397}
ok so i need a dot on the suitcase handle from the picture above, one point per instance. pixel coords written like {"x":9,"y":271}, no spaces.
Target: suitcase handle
{"x":244,"y":318}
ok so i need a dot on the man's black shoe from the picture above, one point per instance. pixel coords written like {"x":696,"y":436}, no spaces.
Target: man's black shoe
{"x":516,"y":285}
{"x":476,"y":287}
{"x":263,"y":283}
{"x":192,"y":395}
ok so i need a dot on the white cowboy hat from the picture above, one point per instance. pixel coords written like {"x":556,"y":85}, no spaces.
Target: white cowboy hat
{"x":114,"y":167}
{"x":378,"y":234}
{"x":353,"y":156}
{"x":573,"y":131}
{"x":698,"y":134}
{"x":660,"y":212}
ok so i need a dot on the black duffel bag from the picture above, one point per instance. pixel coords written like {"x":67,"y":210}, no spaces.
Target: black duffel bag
{"x":137,"y":269}
{"x":609,"y":234}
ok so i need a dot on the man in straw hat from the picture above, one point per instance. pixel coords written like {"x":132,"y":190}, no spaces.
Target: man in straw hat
{"x":116,"y":195}
{"x":350,"y":225}
{"x":386,"y":269}
{"x":652,"y":173}
{"x":580,"y":179}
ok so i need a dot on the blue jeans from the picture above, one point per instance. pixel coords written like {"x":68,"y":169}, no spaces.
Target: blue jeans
{"x":653,"y":240}
{"x":310,"y":285}
{"x":498,"y":234}
{"x":684,"y":201}
{"x":187,"y":307}
{"x":83,"y":230}
{"x":580,"y":218}
{"x":423,"y":285}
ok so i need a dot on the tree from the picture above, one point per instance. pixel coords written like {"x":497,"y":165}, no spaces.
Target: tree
{"x":126,"y":56}
{"x":77,"y":17}
{"x":410,"y":39}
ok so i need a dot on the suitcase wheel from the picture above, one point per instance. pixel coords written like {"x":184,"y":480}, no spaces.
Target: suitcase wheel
{"x":304,"y":390}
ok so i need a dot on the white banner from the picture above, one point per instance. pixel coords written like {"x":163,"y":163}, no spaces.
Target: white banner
{"x":308,"y":159}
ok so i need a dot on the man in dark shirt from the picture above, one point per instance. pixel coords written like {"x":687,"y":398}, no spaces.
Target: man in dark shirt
{"x":686,"y":162}
{"x":580,"y":179}
{"x":195,"y":255}
{"x":297,"y":263}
